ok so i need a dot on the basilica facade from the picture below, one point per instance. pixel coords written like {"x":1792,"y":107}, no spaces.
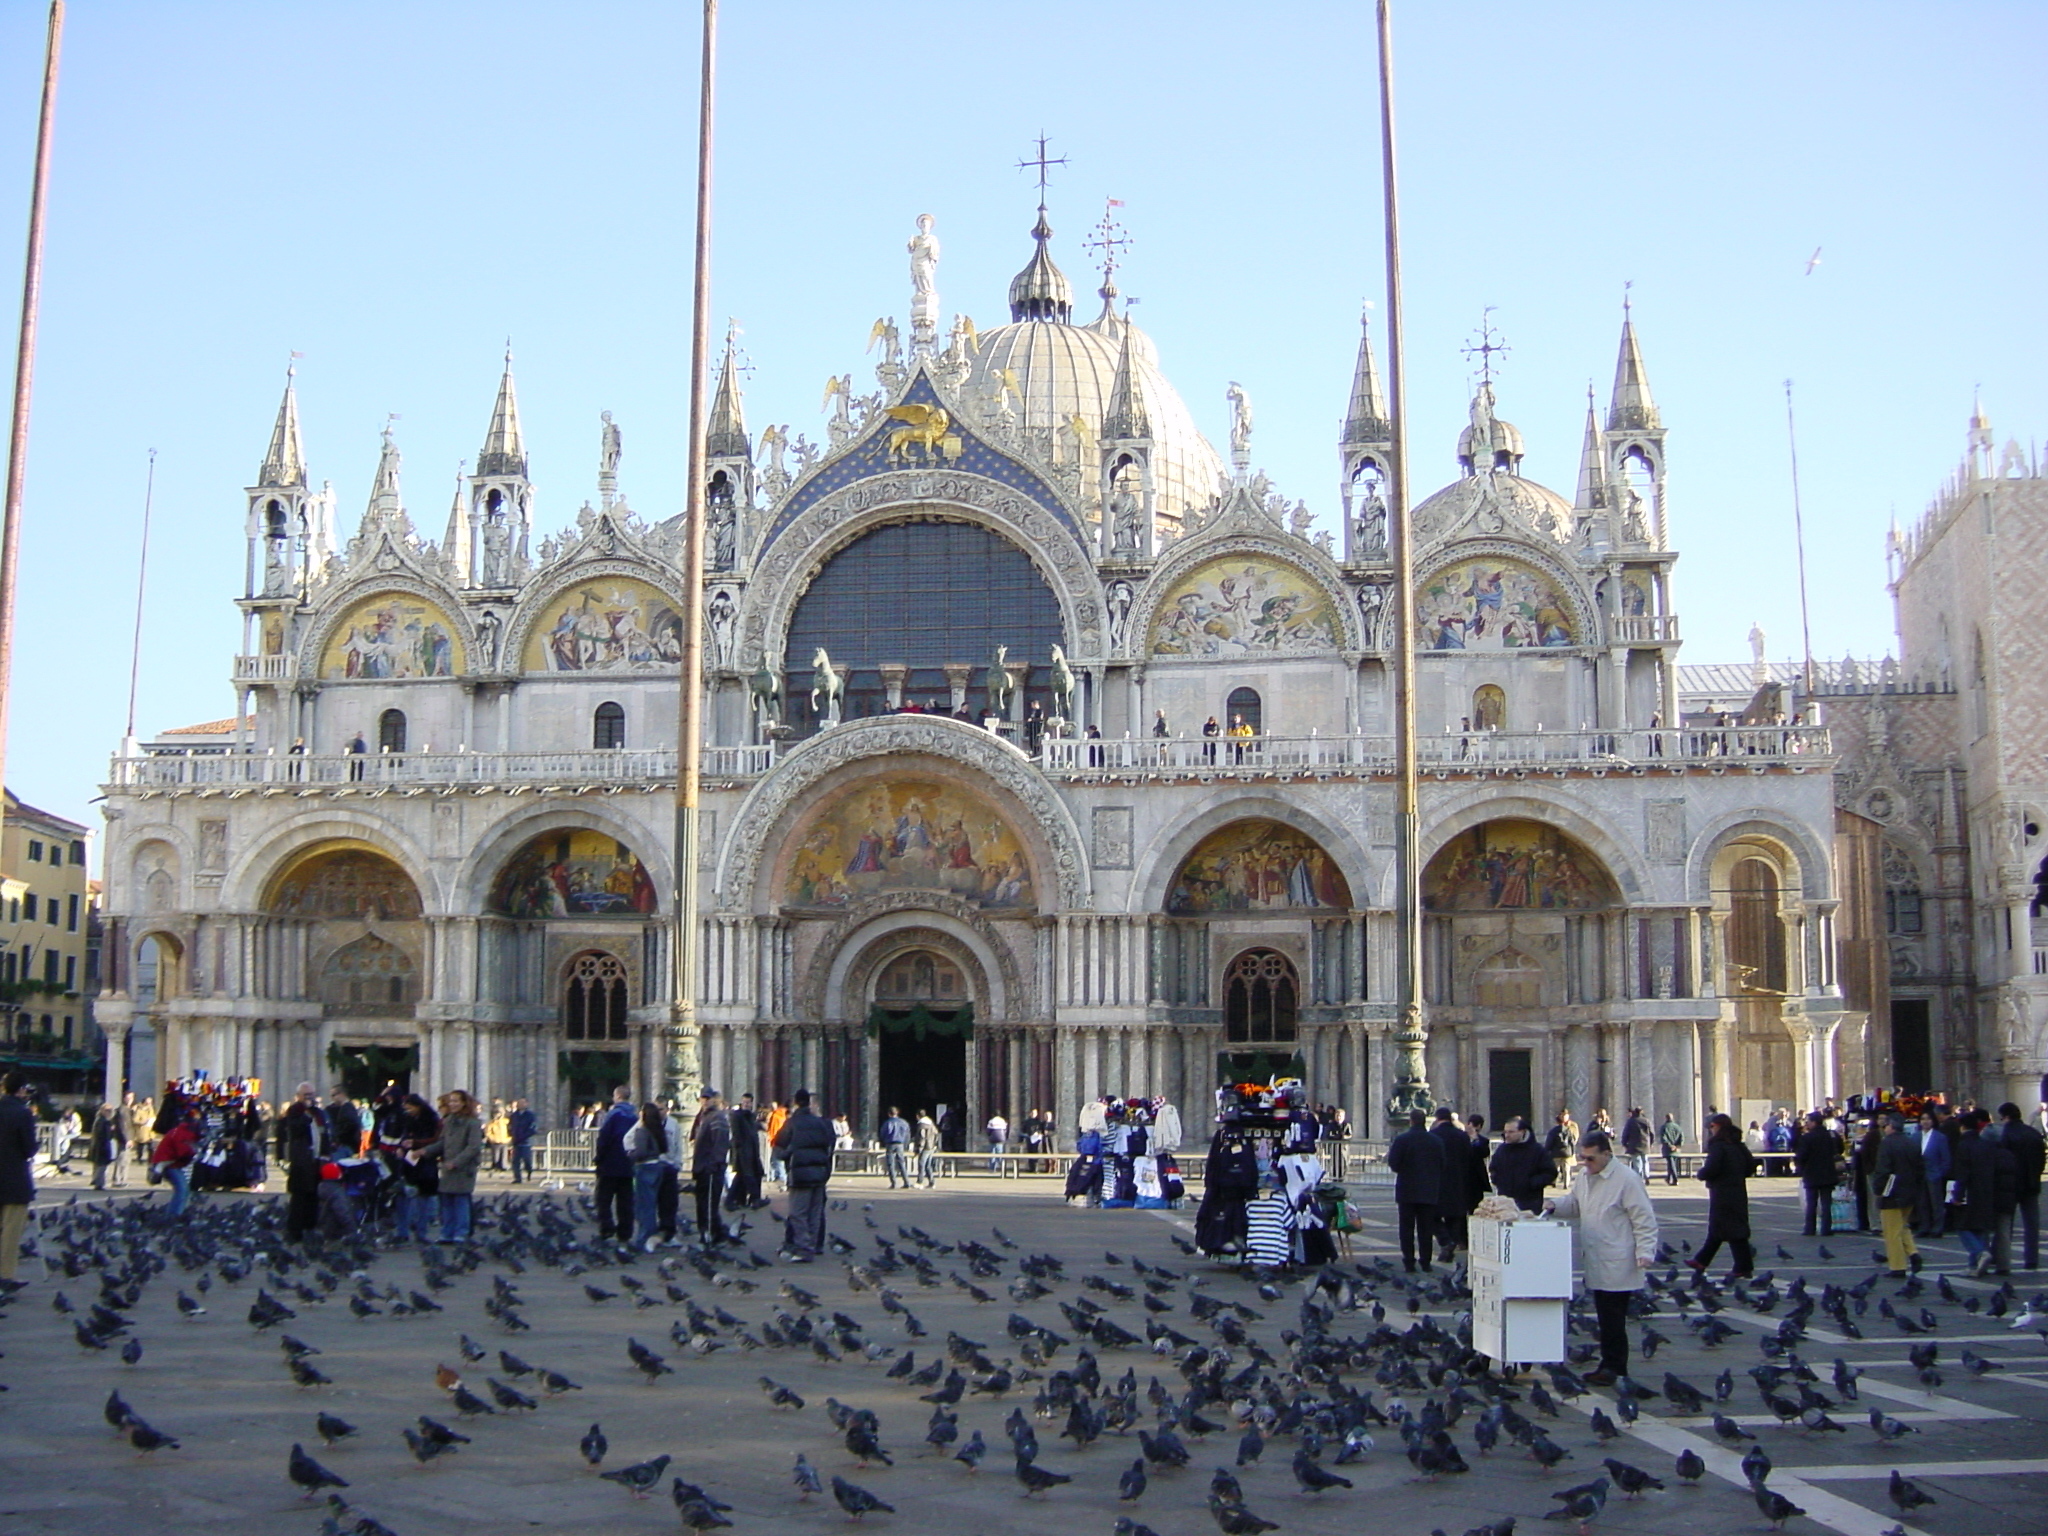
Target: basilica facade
{"x":1048,"y":753}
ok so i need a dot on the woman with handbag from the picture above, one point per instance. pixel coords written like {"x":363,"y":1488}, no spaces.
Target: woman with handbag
{"x":459,"y":1151}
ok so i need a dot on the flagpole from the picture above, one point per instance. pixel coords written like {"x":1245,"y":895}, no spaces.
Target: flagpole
{"x":141,"y":586}
{"x":24,"y":372}
{"x":682,"y":1074}
{"x":1411,"y":1072}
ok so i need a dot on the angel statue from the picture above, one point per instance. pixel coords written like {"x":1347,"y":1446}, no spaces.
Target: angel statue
{"x":839,"y":389}
{"x":1240,"y":425}
{"x":885,"y":335}
{"x":924,"y":281}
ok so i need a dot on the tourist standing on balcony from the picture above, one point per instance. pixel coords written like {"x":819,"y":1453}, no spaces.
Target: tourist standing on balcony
{"x":358,"y":749}
{"x":17,"y":1184}
{"x":1160,"y":731}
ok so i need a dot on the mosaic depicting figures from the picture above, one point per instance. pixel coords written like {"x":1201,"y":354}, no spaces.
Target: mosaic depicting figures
{"x":910,"y":835}
{"x":1240,"y":607}
{"x":1257,"y":866}
{"x":606,"y":626}
{"x":1511,"y":865}
{"x":348,"y":882}
{"x":574,"y":874}
{"x":1492,"y":605}
{"x":392,"y":636}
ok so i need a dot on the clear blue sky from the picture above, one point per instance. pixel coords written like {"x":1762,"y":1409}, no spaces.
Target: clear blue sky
{"x":392,"y":189}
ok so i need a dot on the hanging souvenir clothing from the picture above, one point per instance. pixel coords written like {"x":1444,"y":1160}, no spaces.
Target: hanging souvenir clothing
{"x":1086,"y":1171}
{"x":1166,"y":1126}
{"x":1230,"y":1178}
{"x":1269,"y":1230}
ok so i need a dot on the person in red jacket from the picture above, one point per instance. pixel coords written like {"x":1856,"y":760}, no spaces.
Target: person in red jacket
{"x":173,"y":1159}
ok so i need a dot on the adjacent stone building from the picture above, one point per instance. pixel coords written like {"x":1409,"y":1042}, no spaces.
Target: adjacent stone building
{"x":1048,"y":755}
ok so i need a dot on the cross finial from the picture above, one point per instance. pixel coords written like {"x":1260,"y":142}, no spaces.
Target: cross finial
{"x":1110,"y":239}
{"x":1626,"y":285}
{"x":1486,"y":346}
{"x":1041,"y":164}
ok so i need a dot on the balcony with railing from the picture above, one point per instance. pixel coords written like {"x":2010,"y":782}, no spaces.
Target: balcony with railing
{"x":264,"y":669}
{"x":1645,"y":628}
{"x":372,"y":771}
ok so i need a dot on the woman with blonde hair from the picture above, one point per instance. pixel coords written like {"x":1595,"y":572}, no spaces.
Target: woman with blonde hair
{"x":460,"y":1147}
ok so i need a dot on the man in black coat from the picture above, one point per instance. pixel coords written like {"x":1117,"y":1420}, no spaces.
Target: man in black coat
{"x":746,"y":1157}
{"x":1816,"y":1151}
{"x":1521,"y":1169}
{"x":1416,"y":1159}
{"x":302,"y":1146}
{"x":17,"y":1185}
{"x":805,"y":1142}
{"x":2029,"y":1151}
{"x":710,"y":1151}
{"x":1897,"y":1176}
{"x":1454,"y":1200}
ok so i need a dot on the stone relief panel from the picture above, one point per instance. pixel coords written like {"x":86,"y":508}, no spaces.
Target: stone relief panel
{"x":1112,"y":843}
{"x":1664,"y":831}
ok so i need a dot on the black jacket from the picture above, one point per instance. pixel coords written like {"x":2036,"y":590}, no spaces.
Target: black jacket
{"x":1816,"y":1152}
{"x":2028,"y":1150}
{"x":746,"y":1144}
{"x":1975,"y":1180}
{"x":1899,"y":1165}
{"x":711,"y":1144}
{"x":1725,"y":1171}
{"x":1417,"y":1160}
{"x":805,"y":1142}
{"x":1457,"y":1186}
{"x":17,"y":1150}
{"x":1522,"y":1171}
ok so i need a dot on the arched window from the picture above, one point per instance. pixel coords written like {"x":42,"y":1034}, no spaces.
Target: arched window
{"x":391,"y":731}
{"x":608,"y":727}
{"x":1259,"y":997}
{"x":594,"y":998}
{"x":156,"y":971}
{"x":1243,"y":704}
{"x":369,"y":975}
{"x":1489,"y":708}
{"x":276,"y":524}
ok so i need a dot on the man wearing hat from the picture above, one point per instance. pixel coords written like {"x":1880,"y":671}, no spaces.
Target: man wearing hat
{"x":710,"y":1149}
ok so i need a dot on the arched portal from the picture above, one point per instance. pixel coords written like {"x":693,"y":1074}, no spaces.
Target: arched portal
{"x":1261,"y":1007}
{"x":922,"y":1016}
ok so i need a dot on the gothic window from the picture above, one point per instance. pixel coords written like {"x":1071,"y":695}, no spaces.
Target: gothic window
{"x":368,"y":974}
{"x":1259,"y":997}
{"x":608,"y":727}
{"x":594,"y":998}
{"x":1489,"y":708}
{"x":1902,"y":910}
{"x":920,"y":977}
{"x":923,"y":596}
{"x":391,"y":731}
{"x":1243,"y":704}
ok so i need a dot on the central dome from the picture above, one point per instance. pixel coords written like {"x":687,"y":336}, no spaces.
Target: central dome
{"x":1065,"y":371}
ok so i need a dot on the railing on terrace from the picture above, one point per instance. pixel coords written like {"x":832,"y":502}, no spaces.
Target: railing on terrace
{"x":203,"y":769}
{"x":1153,"y":757}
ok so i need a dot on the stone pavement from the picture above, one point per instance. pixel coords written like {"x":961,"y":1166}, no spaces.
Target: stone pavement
{"x":221,"y":1387}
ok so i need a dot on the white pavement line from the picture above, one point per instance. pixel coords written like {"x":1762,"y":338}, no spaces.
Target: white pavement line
{"x":1840,"y":1474}
{"x":1768,"y":1421}
{"x":1932,"y":1402}
{"x":1822,"y":1507}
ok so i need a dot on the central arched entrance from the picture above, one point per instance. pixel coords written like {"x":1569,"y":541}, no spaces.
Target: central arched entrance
{"x":922,"y":1017}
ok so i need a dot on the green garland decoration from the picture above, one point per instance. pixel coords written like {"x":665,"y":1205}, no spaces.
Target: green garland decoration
{"x":921,"y":1021}
{"x":606,"y":1069}
{"x":373,"y":1062}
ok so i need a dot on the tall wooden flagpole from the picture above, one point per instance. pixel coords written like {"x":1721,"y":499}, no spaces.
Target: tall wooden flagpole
{"x":24,"y":373}
{"x":1411,"y":1072}
{"x":681,"y":1074}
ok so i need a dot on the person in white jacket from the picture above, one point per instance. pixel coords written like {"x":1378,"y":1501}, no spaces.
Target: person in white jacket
{"x":1617,"y":1242}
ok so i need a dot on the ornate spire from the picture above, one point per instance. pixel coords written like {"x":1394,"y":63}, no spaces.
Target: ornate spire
{"x":1041,"y":290}
{"x":1631,"y":409}
{"x":455,"y":543}
{"x":387,"y":503}
{"x":285,"y":463}
{"x":1592,"y":462}
{"x":1367,"y":420}
{"x":504,"y":450}
{"x":726,"y":434}
{"x":1124,"y":416}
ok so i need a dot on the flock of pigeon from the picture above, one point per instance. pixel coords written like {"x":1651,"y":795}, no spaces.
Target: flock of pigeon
{"x":1344,"y":1368}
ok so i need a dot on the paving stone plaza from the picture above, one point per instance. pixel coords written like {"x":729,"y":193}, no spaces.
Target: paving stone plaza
{"x":222,"y":1389}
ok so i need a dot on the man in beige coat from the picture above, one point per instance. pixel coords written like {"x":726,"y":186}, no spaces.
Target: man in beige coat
{"x":1617,"y":1242}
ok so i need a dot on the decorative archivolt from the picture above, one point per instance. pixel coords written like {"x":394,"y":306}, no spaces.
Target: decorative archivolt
{"x":565,"y":575}
{"x":1566,"y":583}
{"x":1289,"y":555}
{"x":802,"y":547}
{"x":339,"y":604}
{"x":1162,"y":858}
{"x":764,"y":817}
{"x":1803,"y":860}
{"x":864,"y":939}
{"x":1578,"y":818}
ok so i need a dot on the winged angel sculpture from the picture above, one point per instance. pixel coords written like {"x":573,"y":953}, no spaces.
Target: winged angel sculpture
{"x":926,"y":428}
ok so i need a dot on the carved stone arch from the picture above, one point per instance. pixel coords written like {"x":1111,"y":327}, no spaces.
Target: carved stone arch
{"x":173,"y":945}
{"x":802,"y":548}
{"x":561,"y":576}
{"x":1161,"y":859}
{"x":148,"y":854}
{"x":502,"y":840}
{"x":1588,"y":626}
{"x":260,"y":862}
{"x":1191,"y":554}
{"x":1803,"y":855}
{"x":1579,"y":819}
{"x":835,"y":985}
{"x":837,"y":756}
{"x":338,"y":602}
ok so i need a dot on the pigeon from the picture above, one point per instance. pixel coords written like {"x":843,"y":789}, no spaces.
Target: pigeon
{"x":640,"y":1478}
{"x":131,"y":1354}
{"x":1775,"y":1507}
{"x":447,"y":1378}
{"x":1250,"y":1446}
{"x":424,"y":1448}
{"x":441,"y":1434}
{"x":332,"y":1429}
{"x":145,"y":1439}
{"x":1756,"y":1466}
{"x":1603,"y":1426}
{"x":117,"y":1413}
{"x":970,"y":1454}
{"x":779,"y":1396}
{"x":309,"y":1474}
{"x":594,"y":1445}
{"x":1581,"y":1504}
{"x":468,"y":1404}
{"x":1889,"y":1428}
{"x":1236,"y":1520}
{"x":856,"y":1500}
{"x":1691,"y":1468}
{"x":862,"y":1444}
{"x":805,"y":1476}
{"x":1907,"y":1494}
{"x":1226,"y":1487}
{"x":1037,"y":1479}
{"x":1126,"y":1526}
{"x":697,"y":1514}
{"x":1632,"y":1481}
{"x":512,"y":1365}
{"x":471,"y":1350}
{"x":1313,"y":1478}
{"x":1131,"y":1486}
{"x":306,"y":1373}
{"x":554,"y":1383}
{"x":1729,"y":1430}
{"x":189,"y":1309}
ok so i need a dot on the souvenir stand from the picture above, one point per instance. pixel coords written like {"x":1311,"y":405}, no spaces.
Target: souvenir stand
{"x":1124,"y":1155}
{"x":1264,"y":1202}
{"x":230,"y":1129}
